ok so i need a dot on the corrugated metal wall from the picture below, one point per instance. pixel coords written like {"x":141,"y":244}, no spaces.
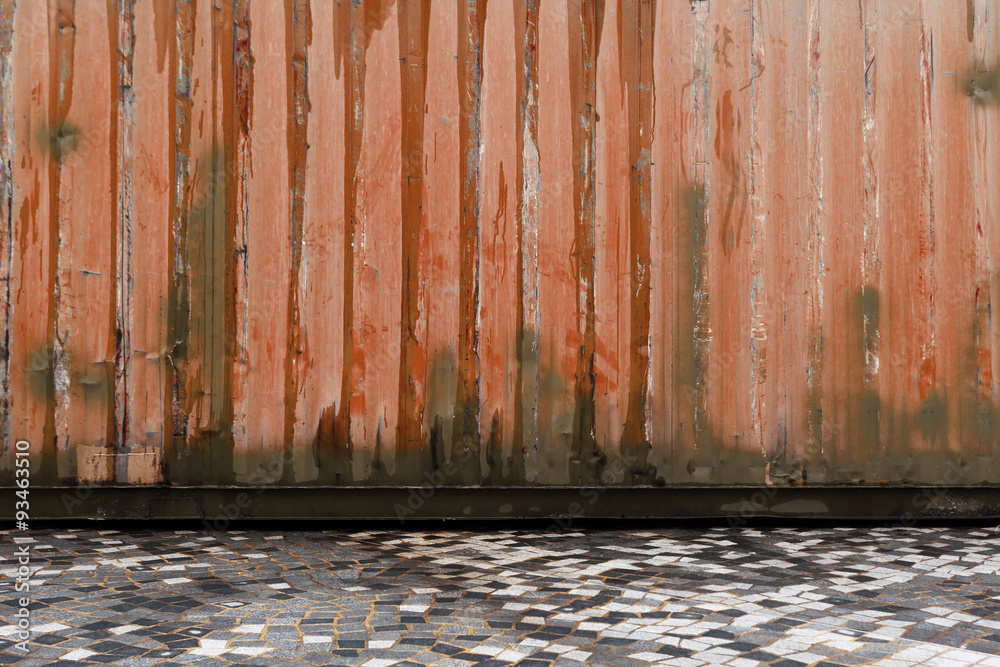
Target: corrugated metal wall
{"x":513,"y":242}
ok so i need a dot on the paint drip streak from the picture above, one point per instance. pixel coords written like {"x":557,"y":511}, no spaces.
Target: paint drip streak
{"x":694,"y":331}
{"x":530,"y":324}
{"x":123,"y":252}
{"x":414,"y":27}
{"x":243,"y":104}
{"x":178,"y":314}
{"x":584,"y":42}
{"x":789,"y":279}
{"x":351,"y":49}
{"x":637,"y":43}
{"x":224,"y":93}
{"x":519,"y":446}
{"x":63,"y":40}
{"x":470,"y":75}
{"x":298,"y":30}
{"x":118,"y":281}
{"x":6,"y":213}
{"x":986,"y":46}
{"x":816,"y":236}
{"x":869,"y":306}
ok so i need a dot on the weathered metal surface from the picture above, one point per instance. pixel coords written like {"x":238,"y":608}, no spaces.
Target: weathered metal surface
{"x":558,"y":507}
{"x":557,"y":243}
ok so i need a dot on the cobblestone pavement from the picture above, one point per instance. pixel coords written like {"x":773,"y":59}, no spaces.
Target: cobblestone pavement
{"x":722,"y":596}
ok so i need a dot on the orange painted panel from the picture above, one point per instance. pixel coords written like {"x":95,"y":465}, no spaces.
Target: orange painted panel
{"x":266,"y":220}
{"x":949,"y":418}
{"x":499,"y":242}
{"x":321,"y":281}
{"x":28,"y":248}
{"x":146,"y":235}
{"x":674,"y":219}
{"x":377,"y":253}
{"x":848,"y":305}
{"x":439,"y":230}
{"x":909,"y":393}
{"x":558,"y":335}
{"x":201,"y":297}
{"x":980,"y":84}
{"x":88,"y":224}
{"x":611,"y":240}
{"x":786,"y":234}
{"x":730,"y":373}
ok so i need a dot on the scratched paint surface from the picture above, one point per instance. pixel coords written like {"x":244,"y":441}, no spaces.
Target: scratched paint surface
{"x":500,"y":242}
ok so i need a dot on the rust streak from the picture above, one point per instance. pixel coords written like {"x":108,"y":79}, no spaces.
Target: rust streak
{"x":321,"y":290}
{"x":29,"y":227}
{"x":466,"y":439}
{"x":842,"y":144}
{"x":435,"y":362}
{"x":151,"y":213}
{"x":636,"y":39}
{"x":611,"y":243}
{"x":500,"y":172}
{"x":7,"y":142}
{"x":586,"y":459}
{"x":298,"y":34}
{"x":414,"y":54}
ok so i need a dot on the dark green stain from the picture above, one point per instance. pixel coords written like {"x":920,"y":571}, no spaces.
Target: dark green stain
{"x":866,"y":312}
{"x":983,"y":86}
{"x":60,"y":139}
{"x":201,"y":308}
{"x":932,"y":420}
{"x":40,"y":373}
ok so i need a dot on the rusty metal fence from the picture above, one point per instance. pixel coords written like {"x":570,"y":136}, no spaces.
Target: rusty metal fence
{"x":500,"y":242}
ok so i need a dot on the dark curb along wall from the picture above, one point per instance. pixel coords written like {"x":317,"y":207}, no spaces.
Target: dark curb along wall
{"x":581,"y":258}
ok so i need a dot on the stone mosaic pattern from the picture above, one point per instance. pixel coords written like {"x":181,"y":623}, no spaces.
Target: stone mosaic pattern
{"x":724,"y":596}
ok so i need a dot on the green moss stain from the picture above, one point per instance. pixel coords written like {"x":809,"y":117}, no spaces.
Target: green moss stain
{"x":178,"y":465}
{"x":60,"y":139}
{"x":200,"y":322}
{"x":40,"y":379}
{"x":867,"y":416}
{"x":690,"y":363}
{"x":93,"y":383}
{"x":330,"y":450}
{"x":866,"y":314}
{"x":932,"y":419}
{"x":866,"y":407}
{"x":555,"y":429}
{"x":178,"y":318}
{"x":815,"y":455}
{"x":439,"y":402}
{"x":525,"y":422}
{"x":40,"y":374}
{"x":986,"y":424}
{"x":983,"y":85}
{"x":493,"y":451}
